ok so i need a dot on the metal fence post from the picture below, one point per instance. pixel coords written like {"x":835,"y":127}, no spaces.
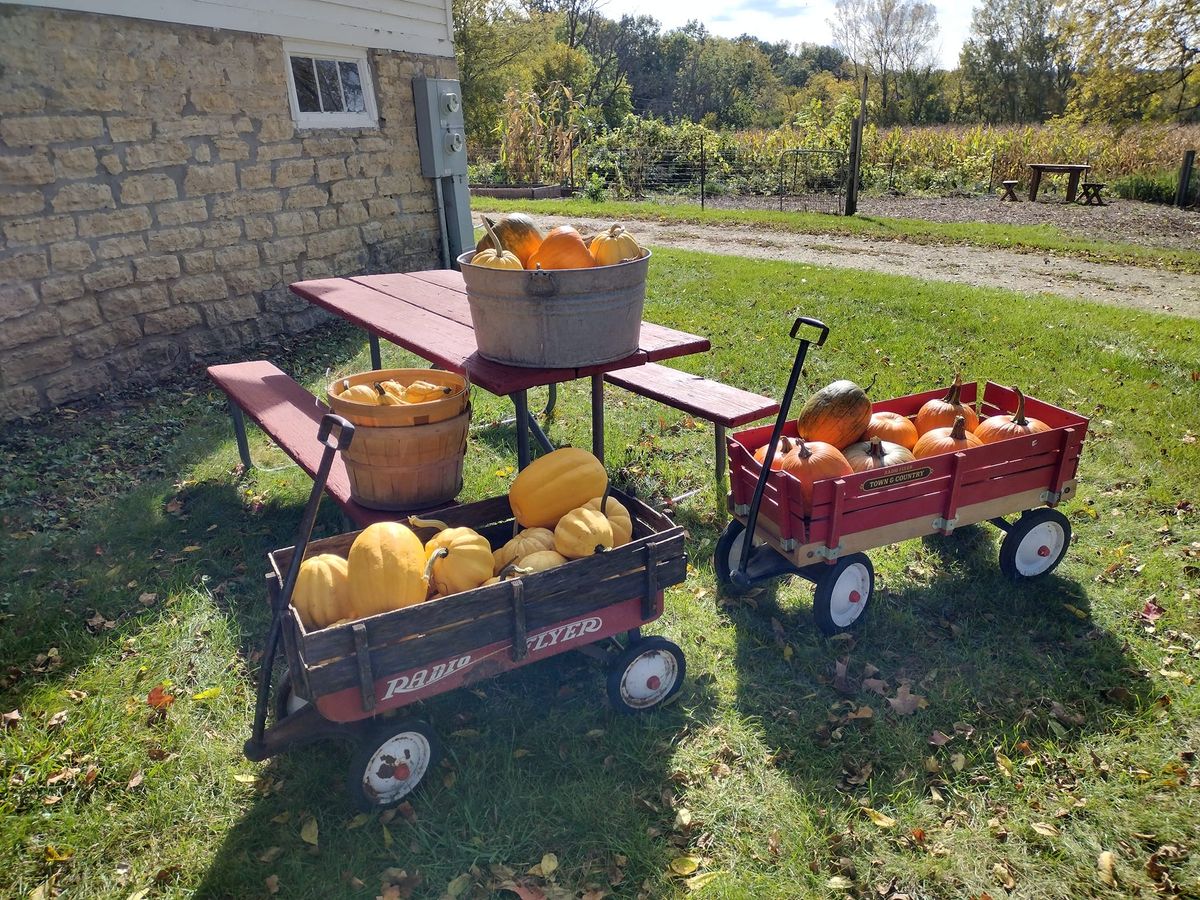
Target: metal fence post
{"x":1185,"y":177}
{"x":702,"y":170}
{"x":852,"y":174}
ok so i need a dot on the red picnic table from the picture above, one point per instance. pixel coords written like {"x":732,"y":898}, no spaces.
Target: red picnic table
{"x":427,"y":313}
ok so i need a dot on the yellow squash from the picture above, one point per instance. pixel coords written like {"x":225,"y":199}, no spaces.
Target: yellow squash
{"x":528,"y":541}
{"x":613,"y":245}
{"x":582,"y":532}
{"x":387,"y":569}
{"x":459,"y":559}
{"x":491,"y":259}
{"x":555,"y":484}
{"x":322,"y":592}
{"x":361,"y":393}
{"x":424,"y":391}
{"x":618,"y":517}
{"x":541,"y":560}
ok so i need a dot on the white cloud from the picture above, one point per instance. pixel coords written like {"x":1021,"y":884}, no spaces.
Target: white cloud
{"x":776,"y":20}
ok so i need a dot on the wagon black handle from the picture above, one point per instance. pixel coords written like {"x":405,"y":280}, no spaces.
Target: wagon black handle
{"x":813,"y":323}
{"x":345,"y":431}
{"x":739,"y":575}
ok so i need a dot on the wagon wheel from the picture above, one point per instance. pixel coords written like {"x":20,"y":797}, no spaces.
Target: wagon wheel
{"x":286,"y":701}
{"x":645,"y":675}
{"x":843,"y":593}
{"x":727,"y":556}
{"x":391,"y":761}
{"x":1035,"y":544}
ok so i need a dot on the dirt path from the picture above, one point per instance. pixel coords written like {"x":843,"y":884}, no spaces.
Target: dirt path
{"x":1035,"y":273}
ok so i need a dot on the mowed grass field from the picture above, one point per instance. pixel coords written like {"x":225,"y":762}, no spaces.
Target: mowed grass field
{"x":1057,"y":722}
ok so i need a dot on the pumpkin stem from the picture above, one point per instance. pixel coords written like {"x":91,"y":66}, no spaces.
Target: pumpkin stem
{"x":867,"y":389}
{"x":952,"y":395}
{"x":1019,"y":416}
{"x":418,"y":522}
{"x":959,"y":431}
{"x":512,"y":570}
{"x":491,"y":233}
{"x":876,"y":449}
{"x":802,"y":449}
{"x":433,"y":558}
{"x":379,"y":389}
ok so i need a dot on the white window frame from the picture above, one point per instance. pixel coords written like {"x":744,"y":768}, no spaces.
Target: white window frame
{"x":366,"y":119}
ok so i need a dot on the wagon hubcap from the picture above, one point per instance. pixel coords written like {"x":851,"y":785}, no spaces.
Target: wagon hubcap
{"x":851,"y":588}
{"x":396,"y":767}
{"x":649,"y":678}
{"x":1039,"y":549}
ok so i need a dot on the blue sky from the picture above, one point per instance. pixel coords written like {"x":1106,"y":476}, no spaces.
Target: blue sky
{"x":776,"y":20}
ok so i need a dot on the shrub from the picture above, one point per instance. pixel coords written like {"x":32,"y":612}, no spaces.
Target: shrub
{"x":1157,"y":188}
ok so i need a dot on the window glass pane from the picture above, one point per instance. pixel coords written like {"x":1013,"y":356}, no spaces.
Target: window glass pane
{"x":327,"y":79}
{"x":306,"y":84}
{"x":352,"y":87}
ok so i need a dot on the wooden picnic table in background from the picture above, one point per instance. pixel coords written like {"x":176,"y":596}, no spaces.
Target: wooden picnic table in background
{"x":1073,"y":171}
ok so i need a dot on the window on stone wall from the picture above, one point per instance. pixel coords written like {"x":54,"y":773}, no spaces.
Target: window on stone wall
{"x":330,"y":87}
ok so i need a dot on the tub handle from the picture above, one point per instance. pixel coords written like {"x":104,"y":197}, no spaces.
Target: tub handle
{"x":542,"y":283}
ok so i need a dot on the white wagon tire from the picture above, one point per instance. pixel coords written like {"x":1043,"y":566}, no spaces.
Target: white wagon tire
{"x":843,"y":594}
{"x":391,"y":762}
{"x":645,"y":675}
{"x":1035,"y":544}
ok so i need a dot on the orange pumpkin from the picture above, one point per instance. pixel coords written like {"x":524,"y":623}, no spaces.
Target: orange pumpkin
{"x":893,"y":428}
{"x":812,"y":461}
{"x":515,"y":232}
{"x":942,"y":413}
{"x":563,"y":248}
{"x":786,"y":446}
{"x":946,"y":440}
{"x":1003,"y":426}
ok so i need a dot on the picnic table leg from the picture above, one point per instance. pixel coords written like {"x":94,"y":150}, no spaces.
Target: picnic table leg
{"x":720,"y":457}
{"x":551,"y":399}
{"x":1034,"y":181}
{"x":598,"y":417}
{"x":520,"y":400}
{"x":376,"y":359}
{"x":239,"y":433}
{"x":1072,"y":186}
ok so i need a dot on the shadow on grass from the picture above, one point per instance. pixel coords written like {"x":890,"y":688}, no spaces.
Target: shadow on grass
{"x":1001,"y":666}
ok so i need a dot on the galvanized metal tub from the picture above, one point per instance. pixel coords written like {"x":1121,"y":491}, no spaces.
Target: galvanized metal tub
{"x":557,"y":319}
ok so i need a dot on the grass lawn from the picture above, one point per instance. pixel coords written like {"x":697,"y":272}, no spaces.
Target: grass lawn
{"x":1028,"y":238}
{"x":133,"y":557}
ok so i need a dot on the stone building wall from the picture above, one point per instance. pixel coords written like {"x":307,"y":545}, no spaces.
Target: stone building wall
{"x":156,"y":199}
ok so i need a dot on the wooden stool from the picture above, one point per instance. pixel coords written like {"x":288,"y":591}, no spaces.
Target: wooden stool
{"x":1091,"y":193}
{"x":1010,"y":192}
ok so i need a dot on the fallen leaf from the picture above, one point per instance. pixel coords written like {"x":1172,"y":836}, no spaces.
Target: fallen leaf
{"x":1005,"y":764}
{"x":308,"y":831}
{"x":158,"y":698}
{"x":358,"y":821}
{"x":1106,"y":867}
{"x":940,"y":740}
{"x":56,"y":720}
{"x":841,"y":680}
{"x":11,"y":719}
{"x":958,"y":762}
{"x":684,"y":865}
{"x":54,"y":855}
{"x":839,"y":883}
{"x":272,"y":882}
{"x":1004,"y":875}
{"x":698,"y":881}
{"x":269,"y":855}
{"x":208,"y":694}
{"x":243,"y":778}
{"x":906,"y":703}
{"x":683,"y":819}
{"x":863,"y":712}
{"x":1045,"y":829}
{"x":1064,"y":715}
{"x":880,"y":819}
{"x":876,"y":686}
{"x":135,"y":779}
{"x":459,"y":885}
{"x":191,"y":548}
{"x":1151,"y":611}
{"x":147,"y":599}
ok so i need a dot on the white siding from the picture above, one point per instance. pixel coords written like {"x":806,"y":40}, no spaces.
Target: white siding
{"x":414,"y":26}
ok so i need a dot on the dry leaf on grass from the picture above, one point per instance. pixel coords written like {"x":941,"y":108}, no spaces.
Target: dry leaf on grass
{"x":207,"y":694}
{"x":906,"y":703}
{"x":940,"y":740}
{"x":1045,"y":829}
{"x":698,"y":881}
{"x":1151,"y":611}
{"x":269,"y":855}
{"x":309,"y":831}
{"x":1106,"y":868}
{"x":11,"y":719}
{"x":459,"y":885}
{"x":272,"y":882}
{"x":880,"y":819}
{"x":876,"y":686}
{"x":135,"y":779}
{"x":158,"y":698}
{"x":56,"y":720}
{"x":684,"y":865}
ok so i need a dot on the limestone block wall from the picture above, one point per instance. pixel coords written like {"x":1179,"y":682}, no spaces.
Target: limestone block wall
{"x":156,"y":199}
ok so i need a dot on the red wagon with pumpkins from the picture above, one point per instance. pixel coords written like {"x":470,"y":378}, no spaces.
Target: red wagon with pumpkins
{"x":819,"y":526}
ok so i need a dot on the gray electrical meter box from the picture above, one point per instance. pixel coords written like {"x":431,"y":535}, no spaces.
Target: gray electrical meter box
{"x":441,"y":131}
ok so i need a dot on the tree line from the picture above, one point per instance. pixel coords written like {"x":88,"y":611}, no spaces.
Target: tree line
{"x":1025,"y":61}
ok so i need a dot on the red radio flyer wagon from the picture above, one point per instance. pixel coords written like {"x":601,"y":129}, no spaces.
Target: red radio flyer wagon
{"x":341,"y":680}
{"x":1029,"y":475}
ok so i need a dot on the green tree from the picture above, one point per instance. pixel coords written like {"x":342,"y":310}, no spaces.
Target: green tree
{"x":1138,"y":59}
{"x":490,"y":38}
